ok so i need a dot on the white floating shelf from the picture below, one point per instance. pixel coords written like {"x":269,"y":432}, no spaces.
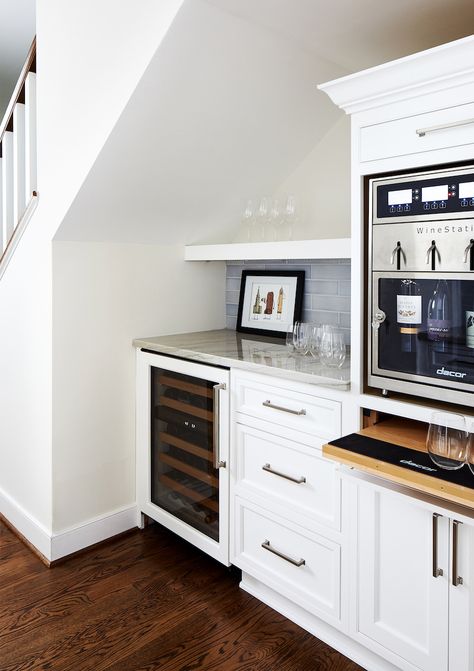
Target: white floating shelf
{"x":339,"y":248}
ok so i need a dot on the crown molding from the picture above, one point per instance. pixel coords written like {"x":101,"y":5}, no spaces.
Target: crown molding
{"x":438,"y":69}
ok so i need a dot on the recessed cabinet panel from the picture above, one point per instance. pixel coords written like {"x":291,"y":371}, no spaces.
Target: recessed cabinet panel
{"x":399,"y":137}
{"x":301,"y":412}
{"x":402,"y":606}
{"x":290,"y":475}
{"x":304,"y":567}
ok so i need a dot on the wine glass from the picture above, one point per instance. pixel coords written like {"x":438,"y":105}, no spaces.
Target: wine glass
{"x":315,"y":340}
{"x":261,"y":219}
{"x":447,"y":440}
{"x":273,"y":221}
{"x":332,"y":348}
{"x":301,"y":337}
{"x":290,"y":216}
{"x":290,"y":336}
{"x":470,"y":447}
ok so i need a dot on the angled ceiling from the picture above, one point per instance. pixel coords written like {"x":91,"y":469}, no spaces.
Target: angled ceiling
{"x":17,"y":29}
{"x":228,"y":108}
{"x":358,"y":34}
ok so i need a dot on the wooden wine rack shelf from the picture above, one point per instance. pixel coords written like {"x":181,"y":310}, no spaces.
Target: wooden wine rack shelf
{"x":211,"y":504}
{"x":186,"y":386}
{"x":201,"y":413}
{"x":178,"y":465}
{"x":169,"y":439}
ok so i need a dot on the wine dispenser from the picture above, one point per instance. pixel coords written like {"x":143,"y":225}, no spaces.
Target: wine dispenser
{"x":420,"y":332}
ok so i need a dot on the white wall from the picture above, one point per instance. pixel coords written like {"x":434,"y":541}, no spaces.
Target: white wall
{"x":321,"y":185}
{"x":104,"y":296}
{"x":90,"y":58}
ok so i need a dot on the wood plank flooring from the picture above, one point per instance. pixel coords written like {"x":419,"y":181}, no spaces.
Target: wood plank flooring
{"x":145,"y":601}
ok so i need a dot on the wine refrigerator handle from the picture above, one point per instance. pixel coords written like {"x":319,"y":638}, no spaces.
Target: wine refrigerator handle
{"x":218,"y":463}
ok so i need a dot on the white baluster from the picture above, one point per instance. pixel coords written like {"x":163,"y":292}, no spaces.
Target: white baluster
{"x":30,"y":136}
{"x":7,"y":187}
{"x":19,"y":202}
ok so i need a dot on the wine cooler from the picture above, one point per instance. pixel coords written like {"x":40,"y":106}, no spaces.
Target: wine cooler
{"x":421,"y":285}
{"x":182,"y":449}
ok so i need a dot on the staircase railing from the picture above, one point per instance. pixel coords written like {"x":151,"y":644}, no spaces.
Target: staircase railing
{"x":18,"y":177}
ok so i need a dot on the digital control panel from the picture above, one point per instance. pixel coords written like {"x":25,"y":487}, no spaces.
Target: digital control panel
{"x":430,"y":196}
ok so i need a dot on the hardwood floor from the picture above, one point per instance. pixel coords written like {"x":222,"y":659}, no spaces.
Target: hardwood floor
{"x":145,"y":601}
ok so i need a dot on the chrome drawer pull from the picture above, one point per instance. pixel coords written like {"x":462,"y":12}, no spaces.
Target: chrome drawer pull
{"x":296,"y":562}
{"x":421,"y":132}
{"x":269,"y":404}
{"x":269,"y":469}
{"x":457,"y":579}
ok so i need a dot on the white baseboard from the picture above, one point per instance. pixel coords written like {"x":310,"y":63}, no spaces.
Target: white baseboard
{"x":29,"y":527}
{"x":60,"y":544}
{"x":100,"y":529}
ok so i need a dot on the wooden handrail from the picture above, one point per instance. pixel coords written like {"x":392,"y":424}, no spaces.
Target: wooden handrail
{"x":19,"y":92}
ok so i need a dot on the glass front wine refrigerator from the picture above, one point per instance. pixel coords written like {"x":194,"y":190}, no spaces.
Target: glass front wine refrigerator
{"x":421,"y":285}
{"x":183,"y":449}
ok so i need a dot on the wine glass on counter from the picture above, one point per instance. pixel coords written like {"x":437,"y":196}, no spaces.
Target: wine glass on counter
{"x":470,"y":446}
{"x":447,"y":440}
{"x":332,"y":348}
{"x":301,"y":339}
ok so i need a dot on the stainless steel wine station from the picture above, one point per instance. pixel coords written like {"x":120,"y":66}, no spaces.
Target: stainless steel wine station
{"x":421,"y":270}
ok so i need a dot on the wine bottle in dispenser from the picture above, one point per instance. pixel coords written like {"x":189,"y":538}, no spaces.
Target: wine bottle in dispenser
{"x":470,"y":328}
{"x":409,"y":311}
{"x":439,"y":324}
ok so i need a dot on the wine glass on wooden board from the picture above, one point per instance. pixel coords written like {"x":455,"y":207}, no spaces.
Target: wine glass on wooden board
{"x":447,"y":440}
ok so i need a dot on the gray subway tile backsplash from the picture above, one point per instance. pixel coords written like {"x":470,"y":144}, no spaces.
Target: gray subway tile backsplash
{"x":326,"y":297}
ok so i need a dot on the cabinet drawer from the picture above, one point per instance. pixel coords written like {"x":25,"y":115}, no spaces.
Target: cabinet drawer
{"x":287,"y":408}
{"x":399,"y":137}
{"x":298,"y":479}
{"x":270,"y":552}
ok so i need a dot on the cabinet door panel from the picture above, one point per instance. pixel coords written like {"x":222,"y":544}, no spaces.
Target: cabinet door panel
{"x":461,"y":599}
{"x":401,"y":606}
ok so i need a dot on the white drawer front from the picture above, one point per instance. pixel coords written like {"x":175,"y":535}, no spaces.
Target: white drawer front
{"x":312,"y":493}
{"x":314,"y":585}
{"x":399,"y":137}
{"x":291,"y":409}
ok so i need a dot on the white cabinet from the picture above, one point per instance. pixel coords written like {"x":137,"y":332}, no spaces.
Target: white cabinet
{"x":441,"y":129}
{"x":412,"y":588}
{"x":286,"y":497}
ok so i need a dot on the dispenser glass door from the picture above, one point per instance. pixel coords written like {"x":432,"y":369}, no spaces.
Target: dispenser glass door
{"x":423,"y":328}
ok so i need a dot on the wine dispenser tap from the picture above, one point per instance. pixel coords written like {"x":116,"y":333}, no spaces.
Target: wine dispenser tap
{"x":432,"y":253}
{"x":398,"y":254}
{"x":469,"y":253}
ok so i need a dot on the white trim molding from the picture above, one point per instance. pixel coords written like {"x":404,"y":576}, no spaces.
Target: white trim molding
{"x":338,"y":248}
{"x":12,"y":244}
{"x":77,"y":538}
{"x":429,"y":71}
{"x":26,"y":525}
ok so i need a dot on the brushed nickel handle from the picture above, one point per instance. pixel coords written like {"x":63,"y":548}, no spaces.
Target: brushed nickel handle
{"x":457,"y":579}
{"x":436,"y":571}
{"x":269,"y":469}
{"x":421,"y":132}
{"x":217,"y":412}
{"x":266,"y":545}
{"x":269,"y":404}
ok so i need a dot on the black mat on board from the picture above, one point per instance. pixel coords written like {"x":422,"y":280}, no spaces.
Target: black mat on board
{"x":403,"y":457}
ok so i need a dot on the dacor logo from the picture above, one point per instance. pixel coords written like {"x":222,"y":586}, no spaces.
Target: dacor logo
{"x":450,"y":373}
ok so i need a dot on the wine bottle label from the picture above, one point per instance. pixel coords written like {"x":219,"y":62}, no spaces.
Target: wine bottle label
{"x":439,"y":329}
{"x":409,"y":310}
{"x":470,"y":328}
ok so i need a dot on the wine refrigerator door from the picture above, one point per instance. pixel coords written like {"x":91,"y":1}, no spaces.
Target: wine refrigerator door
{"x":422,"y":334}
{"x":185,"y":450}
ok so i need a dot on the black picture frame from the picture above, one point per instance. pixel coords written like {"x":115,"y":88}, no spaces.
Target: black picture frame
{"x":275,"y":324}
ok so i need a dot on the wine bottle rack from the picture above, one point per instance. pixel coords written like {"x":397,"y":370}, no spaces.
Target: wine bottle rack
{"x":184,"y":480}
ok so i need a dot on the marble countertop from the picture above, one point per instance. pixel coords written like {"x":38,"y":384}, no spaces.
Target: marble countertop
{"x":247,"y":352}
